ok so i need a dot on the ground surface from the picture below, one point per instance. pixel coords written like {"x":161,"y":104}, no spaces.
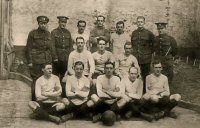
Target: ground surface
{"x":14,"y":112}
{"x":187,"y":82}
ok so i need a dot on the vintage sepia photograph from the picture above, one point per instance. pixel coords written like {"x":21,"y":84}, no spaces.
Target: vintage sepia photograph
{"x":99,"y":63}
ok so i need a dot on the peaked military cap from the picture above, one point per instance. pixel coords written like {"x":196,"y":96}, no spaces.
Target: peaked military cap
{"x":43,"y":19}
{"x":62,"y":18}
{"x":161,"y":25}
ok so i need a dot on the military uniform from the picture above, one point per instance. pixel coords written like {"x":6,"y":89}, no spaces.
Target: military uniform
{"x":38,"y":50}
{"x":165,"y":49}
{"x":62,"y":44}
{"x":142,"y":43}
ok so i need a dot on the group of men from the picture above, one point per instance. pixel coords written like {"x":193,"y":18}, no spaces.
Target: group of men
{"x":99,"y":74}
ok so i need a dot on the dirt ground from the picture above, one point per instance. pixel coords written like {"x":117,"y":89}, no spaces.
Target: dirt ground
{"x":187,"y":81}
{"x":14,"y":113}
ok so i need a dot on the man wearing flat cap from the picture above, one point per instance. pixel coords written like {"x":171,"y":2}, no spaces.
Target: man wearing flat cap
{"x":165,"y":47}
{"x":99,"y":31}
{"x":62,"y":44}
{"x":38,"y":50}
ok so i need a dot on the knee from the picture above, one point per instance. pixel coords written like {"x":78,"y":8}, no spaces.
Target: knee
{"x":94,"y":98}
{"x":154,"y":99}
{"x":176,"y":97}
{"x":33,"y":105}
{"x":121,"y":103}
{"x":146,"y":96}
{"x":90,"y":103}
{"x":60,"y":106}
{"x":65,"y":101}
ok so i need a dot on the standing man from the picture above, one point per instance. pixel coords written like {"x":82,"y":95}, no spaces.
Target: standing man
{"x":81,"y":33}
{"x":62,"y":45}
{"x":142,"y":44}
{"x":165,"y":49}
{"x":39,"y":50}
{"x":99,"y":31}
{"x":119,"y":38}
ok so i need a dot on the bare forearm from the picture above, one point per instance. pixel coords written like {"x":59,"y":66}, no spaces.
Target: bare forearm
{"x":82,"y":94}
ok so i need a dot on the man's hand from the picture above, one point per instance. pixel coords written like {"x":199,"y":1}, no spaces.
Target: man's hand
{"x":85,"y":89}
{"x":117,"y":89}
{"x":56,"y":88}
{"x":73,"y":90}
{"x":30,"y":65}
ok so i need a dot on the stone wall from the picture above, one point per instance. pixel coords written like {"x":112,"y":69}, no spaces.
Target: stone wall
{"x":182,"y":15}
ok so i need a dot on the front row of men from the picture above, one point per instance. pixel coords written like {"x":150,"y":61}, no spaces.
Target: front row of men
{"x":111,"y":99}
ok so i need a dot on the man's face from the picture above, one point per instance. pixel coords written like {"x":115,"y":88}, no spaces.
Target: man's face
{"x":128,"y":49}
{"x":102,"y":45}
{"x":157,"y":69}
{"x":42,"y":25}
{"x":62,"y":24}
{"x":162,"y":31}
{"x":100,"y":21}
{"x":78,"y":69}
{"x":47,"y":70}
{"x":120,"y":28}
{"x":133,"y":74}
{"x":81,"y":27}
{"x":109,"y":70}
{"x":140,"y":23}
{"x":80,"y":44}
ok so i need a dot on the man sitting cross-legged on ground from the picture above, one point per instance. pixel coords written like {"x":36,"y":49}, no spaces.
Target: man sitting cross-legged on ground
{"x":109,"y":95}
{"x":100,"y":57}
{"x":157,"y":98}
{"x":132,"y":88}
{"x":48,"y":102}
{"x":77,"y":91}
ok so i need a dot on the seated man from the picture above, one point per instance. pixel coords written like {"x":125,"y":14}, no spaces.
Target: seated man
{"x":132,"y":88}
{"x":158,"y":98}
{"x":77,"y":90}
{"x":85,"y":56}
{"x":100,"y":57}
{"x":109,"y":95}
{"x":125,"y":61}
{"x":48,"y":102}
